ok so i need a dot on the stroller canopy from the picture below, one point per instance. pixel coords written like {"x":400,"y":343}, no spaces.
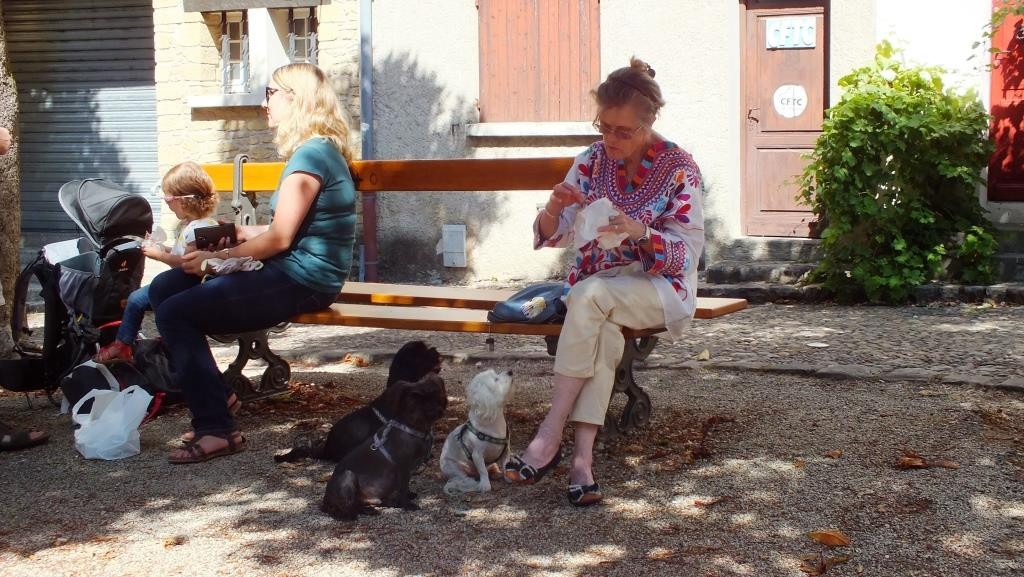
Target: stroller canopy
{"x":105,"y":211}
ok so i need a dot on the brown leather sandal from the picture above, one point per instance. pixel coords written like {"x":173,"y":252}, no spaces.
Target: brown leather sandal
{"x":195,"y":453}
{"x":234,"y":407}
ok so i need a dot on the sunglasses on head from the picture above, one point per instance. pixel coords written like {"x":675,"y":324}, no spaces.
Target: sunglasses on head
{"x":169,"y":199}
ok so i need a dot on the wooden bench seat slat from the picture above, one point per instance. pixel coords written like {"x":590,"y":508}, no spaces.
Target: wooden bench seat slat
{"x":429,"y":319}
{"x":460,"y":174}
{"x":484,"y":299}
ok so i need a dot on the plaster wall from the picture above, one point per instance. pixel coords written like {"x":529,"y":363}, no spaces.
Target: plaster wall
{"x":426,"y":78}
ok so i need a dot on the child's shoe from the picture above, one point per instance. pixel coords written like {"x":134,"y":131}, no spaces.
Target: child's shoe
{"x":115,"y":352}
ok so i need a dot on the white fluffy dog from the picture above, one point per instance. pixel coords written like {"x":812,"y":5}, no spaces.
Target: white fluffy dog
{"x":479,"y":447}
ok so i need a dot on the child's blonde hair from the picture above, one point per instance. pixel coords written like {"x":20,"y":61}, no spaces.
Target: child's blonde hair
{"x":188,"y":178}
{"x":315,"y":110}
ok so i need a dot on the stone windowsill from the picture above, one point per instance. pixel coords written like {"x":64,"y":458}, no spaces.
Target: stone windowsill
{"x":221,"y":5}
{"x":529,"y":129}
{"x":225,"y":100}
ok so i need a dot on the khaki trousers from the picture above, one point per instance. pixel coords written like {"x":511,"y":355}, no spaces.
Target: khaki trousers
{"x":591,"y":342}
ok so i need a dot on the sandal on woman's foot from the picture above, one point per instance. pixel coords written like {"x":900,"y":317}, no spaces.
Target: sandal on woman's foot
{"x":584,"y":495}
{"x":12,"y":439}
{"x":195,"y":453}
{"x":518,"y":471}
{"x":234,"y":407}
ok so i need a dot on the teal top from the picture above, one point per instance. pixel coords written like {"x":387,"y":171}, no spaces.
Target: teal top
{"x":321,"y":254}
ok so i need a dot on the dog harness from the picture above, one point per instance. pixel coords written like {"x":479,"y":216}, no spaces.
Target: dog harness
{"x":381,"y":437}
{"x":484,"y":437}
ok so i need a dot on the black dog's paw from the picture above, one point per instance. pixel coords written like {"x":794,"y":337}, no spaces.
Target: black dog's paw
{"x":411,"y":506}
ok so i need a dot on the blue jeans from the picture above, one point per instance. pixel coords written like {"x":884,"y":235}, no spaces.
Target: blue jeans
{"x":134,"y":312}
{"x":187,"y":311}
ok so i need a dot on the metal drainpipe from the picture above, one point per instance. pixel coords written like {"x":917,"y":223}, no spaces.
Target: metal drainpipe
{"x":369,"y":199}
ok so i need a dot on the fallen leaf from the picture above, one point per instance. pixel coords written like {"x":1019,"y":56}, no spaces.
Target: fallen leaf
{"x":710,"y":502}
{"x":911,"y":460}
{"x":356,"y":360}
{"x":799,"y":464}
{"x":837,"y":560}
{"x":834,"y":454}
{"x":704,"y":355}
{"x":658,"y":454}
{"x":814,"y":564}
{"x":174,"y":541}
{"x":830,"y":537}
{"x":661,"y":554}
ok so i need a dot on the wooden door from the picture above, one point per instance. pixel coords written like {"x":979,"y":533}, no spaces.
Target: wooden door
{"x":784,"y":96}
{"x":1006,"y":167}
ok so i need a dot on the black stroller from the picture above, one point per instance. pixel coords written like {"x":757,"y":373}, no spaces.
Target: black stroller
{"x":85,"y":284}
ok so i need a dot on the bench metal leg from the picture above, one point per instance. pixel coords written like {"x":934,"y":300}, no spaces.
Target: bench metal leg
{"x":637,"y":412}
{"x":251,"y":346}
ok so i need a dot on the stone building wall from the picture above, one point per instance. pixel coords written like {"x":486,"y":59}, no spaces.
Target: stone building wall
{"x":188,"y":65}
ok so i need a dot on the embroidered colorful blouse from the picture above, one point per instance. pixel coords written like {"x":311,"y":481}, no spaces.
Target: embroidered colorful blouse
{"x":665,"y":194}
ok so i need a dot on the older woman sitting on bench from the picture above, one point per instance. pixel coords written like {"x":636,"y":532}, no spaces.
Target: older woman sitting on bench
{"x":647,"y":281}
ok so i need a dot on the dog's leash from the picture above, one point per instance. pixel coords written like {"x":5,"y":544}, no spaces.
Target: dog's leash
{"x":484,"y":437}
{"x":381,"y":437}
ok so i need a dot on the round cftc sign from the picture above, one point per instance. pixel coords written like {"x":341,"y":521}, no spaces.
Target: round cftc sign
{"x":790,"y":100}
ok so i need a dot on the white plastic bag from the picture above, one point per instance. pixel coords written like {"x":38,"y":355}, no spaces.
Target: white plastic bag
{"x":110,"y":430}
{"x":596,"y":214}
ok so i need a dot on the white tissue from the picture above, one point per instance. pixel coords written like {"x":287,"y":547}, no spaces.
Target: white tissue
{"x":592,"y":217}
{"x":222,"y":266}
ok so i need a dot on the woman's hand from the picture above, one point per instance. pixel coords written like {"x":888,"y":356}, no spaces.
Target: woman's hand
{"x":563,"y":195}
{"x":192,"y":263}
{"x":622,"y":223}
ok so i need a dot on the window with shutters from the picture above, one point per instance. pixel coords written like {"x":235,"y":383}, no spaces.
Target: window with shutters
{"x":539,"y":60}
{"x":234,"y":51}
{"x":302,"y":40}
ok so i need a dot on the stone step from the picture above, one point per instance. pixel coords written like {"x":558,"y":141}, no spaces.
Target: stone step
{"x":777,"y":272}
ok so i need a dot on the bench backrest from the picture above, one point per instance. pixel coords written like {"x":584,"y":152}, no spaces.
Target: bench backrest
{"x":410,"y":175}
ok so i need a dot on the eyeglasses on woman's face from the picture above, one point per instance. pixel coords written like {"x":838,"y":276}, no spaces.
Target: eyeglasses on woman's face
{"x":270,"y":92}
{"x":170,"y":199}
{"x":620,"y":132}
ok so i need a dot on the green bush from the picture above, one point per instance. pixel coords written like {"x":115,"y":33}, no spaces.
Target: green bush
{"x":893,"y":182}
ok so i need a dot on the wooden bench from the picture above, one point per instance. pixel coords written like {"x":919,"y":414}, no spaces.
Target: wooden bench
{"x":431,"y":308}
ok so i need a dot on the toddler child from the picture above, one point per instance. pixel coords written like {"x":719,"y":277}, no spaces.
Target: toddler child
{"x":188,"y":191}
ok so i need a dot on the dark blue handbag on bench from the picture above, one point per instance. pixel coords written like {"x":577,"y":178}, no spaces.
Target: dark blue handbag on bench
{"x":537,"y":304}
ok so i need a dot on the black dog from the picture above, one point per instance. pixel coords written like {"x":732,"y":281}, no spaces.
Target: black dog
{"x":378,"y":471}
{"x":411,"y":363}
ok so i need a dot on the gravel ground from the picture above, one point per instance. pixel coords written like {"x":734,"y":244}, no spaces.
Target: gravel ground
{"x":735,"y":469}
